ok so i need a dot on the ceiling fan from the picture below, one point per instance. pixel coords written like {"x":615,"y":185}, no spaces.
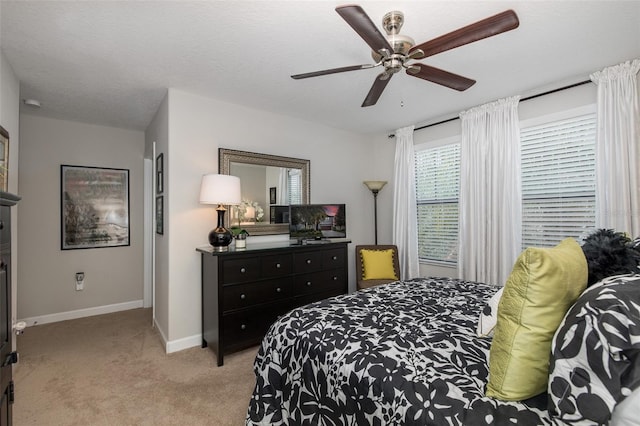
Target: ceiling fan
{"x":396,"y":52}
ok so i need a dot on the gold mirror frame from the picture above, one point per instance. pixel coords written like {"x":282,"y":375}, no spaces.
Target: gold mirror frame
{"x":227,"y":156}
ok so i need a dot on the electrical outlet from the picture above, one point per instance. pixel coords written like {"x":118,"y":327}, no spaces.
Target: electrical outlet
{"x":79,"y":281}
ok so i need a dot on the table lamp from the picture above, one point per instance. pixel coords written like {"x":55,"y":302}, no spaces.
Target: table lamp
{"x":221,"y":190}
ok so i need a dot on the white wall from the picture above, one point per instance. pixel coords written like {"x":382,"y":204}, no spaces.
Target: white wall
{"x":158,"y":132}
{"x":198,"y":126}
{"x":113,"y":276}
{"x":9,"y":119}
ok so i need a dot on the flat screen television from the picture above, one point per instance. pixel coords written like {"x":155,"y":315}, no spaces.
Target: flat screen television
{"x":317,"y":221}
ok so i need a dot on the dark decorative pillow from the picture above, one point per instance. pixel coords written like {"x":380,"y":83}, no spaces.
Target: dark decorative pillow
{"x":595,"y":360}
{"x":609,"y":253}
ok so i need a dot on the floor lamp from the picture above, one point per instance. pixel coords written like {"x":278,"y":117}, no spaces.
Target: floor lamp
{"x":375,"y":186}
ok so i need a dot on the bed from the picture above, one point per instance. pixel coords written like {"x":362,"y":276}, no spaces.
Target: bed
{"x":408,"y":353}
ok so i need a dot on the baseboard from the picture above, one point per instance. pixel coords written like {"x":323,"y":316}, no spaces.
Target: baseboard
{"x":184,"y":343}
{"x":81,"y":313}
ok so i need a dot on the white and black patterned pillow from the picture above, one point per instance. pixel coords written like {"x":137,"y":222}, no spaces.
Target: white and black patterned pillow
{"x":595,"y":360}
{"x":489,"y":315}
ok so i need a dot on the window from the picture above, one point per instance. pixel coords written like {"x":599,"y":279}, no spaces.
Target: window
{"x":437,"y":189}
{"x":558,"y":187}
{"x":558,"y":180}
{"x":294,"y":186}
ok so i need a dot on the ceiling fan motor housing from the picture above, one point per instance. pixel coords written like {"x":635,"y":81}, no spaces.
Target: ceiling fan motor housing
{"x":392,"y":23}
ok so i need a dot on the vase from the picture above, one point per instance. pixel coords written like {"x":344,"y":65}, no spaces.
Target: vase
{"x":241,"y":241}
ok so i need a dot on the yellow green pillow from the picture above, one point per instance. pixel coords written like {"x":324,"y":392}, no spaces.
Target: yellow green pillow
{"x":543,"y":285}
{"x":378,"y":265}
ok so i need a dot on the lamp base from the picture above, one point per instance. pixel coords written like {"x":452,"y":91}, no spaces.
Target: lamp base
{"x":220,"y":238}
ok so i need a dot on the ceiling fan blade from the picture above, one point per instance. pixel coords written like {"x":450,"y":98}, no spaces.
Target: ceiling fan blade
{"x":332,"y":71}
{"x":362,"y":24}
{"x":442,"y":77}
{"x":376,"y":89}
{"x":493,"y":25}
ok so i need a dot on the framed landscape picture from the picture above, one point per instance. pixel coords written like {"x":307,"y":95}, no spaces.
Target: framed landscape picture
{"x":94,"y":207}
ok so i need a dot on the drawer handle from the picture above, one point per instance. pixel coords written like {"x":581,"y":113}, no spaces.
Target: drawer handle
{"x":243,"y":296}
{"x":278,"y":266}
{"x":308,"y":261}
{"x":243,"y":327}
{"x":335,"y":258}
{"x":243,"y":270}
{"x":335,"y":278}
{"x":308,"y":283}
{"x":1,"y":224}
{"x":278,"y":290}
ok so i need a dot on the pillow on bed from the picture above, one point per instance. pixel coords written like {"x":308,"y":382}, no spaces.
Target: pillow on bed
{"x":378,"y":265}
{"x":489,"y":315}
{"x":595,"y":364}
{"x":543,"y":285}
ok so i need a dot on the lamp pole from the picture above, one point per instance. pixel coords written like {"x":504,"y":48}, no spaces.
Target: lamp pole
{"x":375,"y":214}
{"x":375,"y":186}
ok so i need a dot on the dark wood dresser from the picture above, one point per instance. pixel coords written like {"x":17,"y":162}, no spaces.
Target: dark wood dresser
{"x":245,"y":290}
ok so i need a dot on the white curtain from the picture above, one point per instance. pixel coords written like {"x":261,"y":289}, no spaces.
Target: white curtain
{"x":283,"y":190}
{"x":405,"y":221}
{"x":490,"y":192}
{"x":617,"y":163}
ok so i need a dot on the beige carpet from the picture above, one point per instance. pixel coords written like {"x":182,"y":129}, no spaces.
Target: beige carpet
{"x":112,"y":370}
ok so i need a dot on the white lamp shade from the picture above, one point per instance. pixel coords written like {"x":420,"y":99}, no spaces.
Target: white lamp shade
{"x":220,"y":189}
{"x":375,"y":185}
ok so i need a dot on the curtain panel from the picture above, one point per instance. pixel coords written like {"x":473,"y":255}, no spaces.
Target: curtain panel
{"x":490,"y":206}
{"x":405,"y":220}
{"x":618,"y":136}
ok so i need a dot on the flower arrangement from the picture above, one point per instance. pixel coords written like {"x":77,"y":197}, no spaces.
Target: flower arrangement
{"x":250,"y":210}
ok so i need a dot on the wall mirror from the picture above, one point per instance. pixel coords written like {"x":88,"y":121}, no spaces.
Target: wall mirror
{"x":269,"y":184}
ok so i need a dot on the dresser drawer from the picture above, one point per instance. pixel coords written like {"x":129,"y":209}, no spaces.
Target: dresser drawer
{"x":248,"y":326}
{"x":308,"y":261}
{"x":333,"y":258}
{"x":240,"y":270}
{"x":276,"y":265}
{"x":318,"y":282}
{"x":240,"y":296}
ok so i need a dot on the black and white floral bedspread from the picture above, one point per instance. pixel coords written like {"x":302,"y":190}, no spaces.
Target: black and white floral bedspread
{"x":403,"y":353}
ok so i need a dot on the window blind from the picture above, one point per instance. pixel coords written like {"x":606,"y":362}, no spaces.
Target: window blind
{"x":294,"y":186}
{"x":558,"y":180}
{"x":437,"y":191}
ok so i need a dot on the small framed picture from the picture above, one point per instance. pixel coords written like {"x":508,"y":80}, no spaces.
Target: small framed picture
{"x":160,"y":214}
{"x":160,"y":174}
{"x":272,"y":195}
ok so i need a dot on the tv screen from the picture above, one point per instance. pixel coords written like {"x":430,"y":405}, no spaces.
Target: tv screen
{"x":317,"y":221}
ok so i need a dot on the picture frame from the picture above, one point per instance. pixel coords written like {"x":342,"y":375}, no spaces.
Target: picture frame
{"x":160,"y":214}
{"x":160,"y":174}
{"x":272,"y":195}
{"x":94,"y":203}
{"x":4,"y":159}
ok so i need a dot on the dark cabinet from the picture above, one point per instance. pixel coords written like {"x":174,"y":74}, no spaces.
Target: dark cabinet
{"x":245,"y":291}
{"x":6,"y":325}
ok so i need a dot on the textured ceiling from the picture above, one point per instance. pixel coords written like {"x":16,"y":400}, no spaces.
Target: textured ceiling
{"x":110,"y":62}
